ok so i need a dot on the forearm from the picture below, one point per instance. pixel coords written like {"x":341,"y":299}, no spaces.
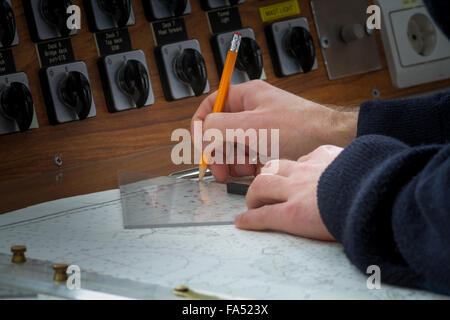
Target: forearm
{"x":343,"y":124}
{"x":424,"y":120}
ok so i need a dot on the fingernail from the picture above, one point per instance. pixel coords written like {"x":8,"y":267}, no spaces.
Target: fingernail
{"x":237,"y":219}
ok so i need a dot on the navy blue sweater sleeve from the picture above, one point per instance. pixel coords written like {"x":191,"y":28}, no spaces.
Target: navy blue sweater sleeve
{"x":418,"y":121}
{"x":389,"y":205}
{"x":386,"y":198}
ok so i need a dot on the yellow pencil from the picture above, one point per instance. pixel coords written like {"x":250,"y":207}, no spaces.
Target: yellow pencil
{"x":224,"y":87}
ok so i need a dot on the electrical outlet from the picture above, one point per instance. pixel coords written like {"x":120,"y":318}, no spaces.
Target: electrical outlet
{"x":221,"y":45}
{"x":216,"y":4}
{"x":348,"y":48}
{"x":286,"y":63}
{"x":41,"y":28}
{"x":163,"y":9}
{"x":417,"y":51}
{"x":11,"y":35}
{"x":99,"y":20}
{"x":7,"y":125}
{"x":117,"y":98}
{"x":173,"y":85}
{"x":78,"y":103}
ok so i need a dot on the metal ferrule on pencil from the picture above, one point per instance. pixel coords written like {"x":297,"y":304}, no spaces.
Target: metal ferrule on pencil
{"x":236,"y":43}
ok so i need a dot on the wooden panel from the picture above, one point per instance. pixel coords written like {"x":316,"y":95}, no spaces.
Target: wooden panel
{"x":117,"y":135}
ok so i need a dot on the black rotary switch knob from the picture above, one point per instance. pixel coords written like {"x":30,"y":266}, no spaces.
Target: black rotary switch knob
{"x":190,"y":68}
{"x":7,"y":24}
{"x":55,"y":14}
{"x":16,"y":104}
{"x":250,"y":59}
{"x":176,"y":7}
{"x":76,"y":94}
{"x":133,"y":80}
{"x":119,"y":10}
{"x":300,"y":45}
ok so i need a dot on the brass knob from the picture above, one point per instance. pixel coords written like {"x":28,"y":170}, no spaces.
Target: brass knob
{"x":18,"y":254}
{"x":60,"y":272}
{"x":181,"y":289}
{"x":185,"y":292}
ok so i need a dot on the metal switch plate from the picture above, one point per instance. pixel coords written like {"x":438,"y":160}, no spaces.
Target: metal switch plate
{"x":51,"y":77}
{"x":216,"y":4}
{"x":7,"y":126}
{"x":157,"y":10}
{"x":417,"y":51}
{"x":40,"y":30}
{"x":344,"y":59}
{"x":98,"y":20}
{"x":16,"y":37}
{"x":109,"y":66}
{"x":285,"y":64}
{"x":221,"y":45}
{"x":174,"y":89}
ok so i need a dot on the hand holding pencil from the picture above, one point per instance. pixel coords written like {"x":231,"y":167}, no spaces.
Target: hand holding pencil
{"x":222,"y":94}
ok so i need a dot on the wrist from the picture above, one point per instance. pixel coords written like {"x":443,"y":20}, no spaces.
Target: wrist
{"x":343,"y":127}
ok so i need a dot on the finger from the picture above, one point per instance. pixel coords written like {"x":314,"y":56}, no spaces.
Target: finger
{"x":279,"y":217}
{"x":245,"y":96}
{"x":279,"y":167}
{"x":304,"y":158}
{"x":221,"y":172}
{"x":267,"y":189}
{"x":263,"y":218}
{"x":243,"y":170}
{"x":240,"y":120}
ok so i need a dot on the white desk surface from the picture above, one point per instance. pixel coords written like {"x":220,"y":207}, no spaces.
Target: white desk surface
{"x":88,"y":231}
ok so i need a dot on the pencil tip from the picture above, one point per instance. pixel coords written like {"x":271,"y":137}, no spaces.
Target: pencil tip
{"x":201,"y":173}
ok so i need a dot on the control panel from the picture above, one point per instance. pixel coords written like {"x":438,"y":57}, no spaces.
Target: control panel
{"x":83,"y":81}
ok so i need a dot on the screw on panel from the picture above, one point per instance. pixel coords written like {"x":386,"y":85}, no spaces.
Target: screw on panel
{"x":325,"y":42}
{"x":375,"y":93}
{"x":58,"y":161}
{"x":59,"y":177}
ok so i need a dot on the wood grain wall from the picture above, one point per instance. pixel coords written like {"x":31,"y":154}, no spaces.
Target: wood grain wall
{"x":117,"y":136}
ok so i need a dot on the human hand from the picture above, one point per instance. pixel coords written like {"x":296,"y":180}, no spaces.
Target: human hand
{"x":304,"y":125}
{"x":287,"y":201}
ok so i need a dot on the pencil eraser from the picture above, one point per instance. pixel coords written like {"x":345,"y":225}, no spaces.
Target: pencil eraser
{"x":238,"y":188}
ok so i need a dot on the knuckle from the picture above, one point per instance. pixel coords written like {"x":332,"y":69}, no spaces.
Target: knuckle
{"x":257,"y":184}
{"x":244,"y":219}
{"x":290,"y":208}
{"x":212,"y":119}
{"x":326,"y":148}
{"x":257,"y":83}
